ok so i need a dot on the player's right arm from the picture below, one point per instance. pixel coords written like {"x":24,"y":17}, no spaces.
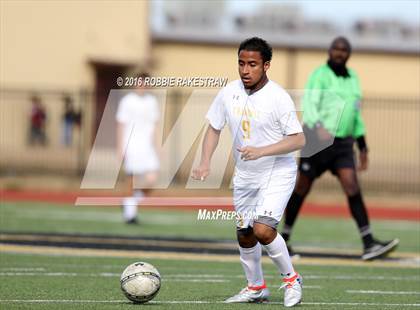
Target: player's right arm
{"x":359,"y":130}
{"x":211,"y":139}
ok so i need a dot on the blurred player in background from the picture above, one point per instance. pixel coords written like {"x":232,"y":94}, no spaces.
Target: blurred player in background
{"x":68,"y":121}
{"x":137,"y":118}
{"x":263,"y":122}
{"x":320,"y":126}
{"x":38,"y":120}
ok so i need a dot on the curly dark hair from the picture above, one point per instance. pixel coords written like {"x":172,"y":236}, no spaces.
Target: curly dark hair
{"x":257,"y":45}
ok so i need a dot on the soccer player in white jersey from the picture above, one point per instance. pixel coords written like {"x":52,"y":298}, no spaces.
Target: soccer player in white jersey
{"x":137,"y":118}
{"x":265,"y":129}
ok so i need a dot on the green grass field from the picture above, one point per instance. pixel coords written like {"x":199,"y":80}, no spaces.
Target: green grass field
{"x":57,"y":282}
{"x":310,"y":232}
{"x":46,"y":281}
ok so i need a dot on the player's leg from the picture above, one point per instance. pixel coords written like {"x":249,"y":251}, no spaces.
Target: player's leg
{"x":250,"y":256}
{"x":274,"y":244}
{"x":249,"y":250}
{"x":141,"y":186}
{"x":256,"y":290}
{"x":143,"y":165}
{"x":149,"y":178}
{"x":130,"y":202}
{"x":276,"y":248}
{"x":372,"y":248}
{"x":275,"y":198}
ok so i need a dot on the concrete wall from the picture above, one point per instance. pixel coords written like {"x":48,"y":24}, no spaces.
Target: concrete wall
{"x":50,"y":43}
{"x":48,"y":47}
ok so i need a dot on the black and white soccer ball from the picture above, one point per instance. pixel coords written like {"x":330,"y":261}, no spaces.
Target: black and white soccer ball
{"x":140,"y":282}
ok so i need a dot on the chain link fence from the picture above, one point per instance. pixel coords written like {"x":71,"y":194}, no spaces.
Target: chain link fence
{"x":393,"y":136}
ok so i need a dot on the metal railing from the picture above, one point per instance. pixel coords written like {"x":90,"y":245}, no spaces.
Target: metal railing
{"x":393,"y":135}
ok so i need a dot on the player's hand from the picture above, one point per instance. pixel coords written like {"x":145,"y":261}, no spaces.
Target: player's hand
{"x":250,"y":152}
{"x":363,"y":161}
{"x":323,"y":134}
{"x":201,"y":172}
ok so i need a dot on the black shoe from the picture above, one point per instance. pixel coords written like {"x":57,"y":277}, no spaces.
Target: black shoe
{"x":132,"y":221}
{"x":378,"y":249}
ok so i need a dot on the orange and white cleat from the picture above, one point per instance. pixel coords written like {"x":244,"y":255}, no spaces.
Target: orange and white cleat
{"x":293,"y":290}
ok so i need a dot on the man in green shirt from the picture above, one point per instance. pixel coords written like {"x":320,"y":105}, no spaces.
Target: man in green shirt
{"x":332,"y":121}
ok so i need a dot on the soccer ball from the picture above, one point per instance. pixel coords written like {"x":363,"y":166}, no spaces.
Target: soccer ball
{"x":140,"y":282}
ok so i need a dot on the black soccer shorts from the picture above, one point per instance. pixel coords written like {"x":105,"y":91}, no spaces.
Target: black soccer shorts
{"x":338,"y":155}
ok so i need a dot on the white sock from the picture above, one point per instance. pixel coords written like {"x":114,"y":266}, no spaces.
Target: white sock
{"x":129,"y":208}
{"x":277,"y":250}
{"x":251,"y":262}
{"x":139,"y":195}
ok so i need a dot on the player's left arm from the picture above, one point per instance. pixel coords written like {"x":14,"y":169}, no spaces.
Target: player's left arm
{"x":359,"y":131}
{"x":290,"y":143}
{"x":359,"y":135}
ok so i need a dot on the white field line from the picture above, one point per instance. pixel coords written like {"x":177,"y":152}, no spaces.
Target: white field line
{"x":365,"y":304}
{"x":196,"y":280}
{"x":73,"y":274}
{"x":63,"y":301}
{"x":316,"y":277}
{"x":383,"y":292}
{"x":35,"y":274}
{"x":204,"y":277}
{"x":221,"y":272}
{"x":306,"y":286}
{"x":169,"y":278}
{"x":191,"y":275}
{"x":44,"y":266}
{"x":361,"y":304}
{"x":21,"y":269}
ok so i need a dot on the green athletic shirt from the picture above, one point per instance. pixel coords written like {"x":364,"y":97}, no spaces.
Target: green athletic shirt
{"x":334,"y":101}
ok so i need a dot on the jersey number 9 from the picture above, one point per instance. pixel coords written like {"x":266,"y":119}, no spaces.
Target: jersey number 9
{"x":246,"y":128}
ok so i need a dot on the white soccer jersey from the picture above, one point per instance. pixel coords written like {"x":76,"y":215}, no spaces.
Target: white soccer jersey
{"x":139,"y":115}
{"x":260,"y":119}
